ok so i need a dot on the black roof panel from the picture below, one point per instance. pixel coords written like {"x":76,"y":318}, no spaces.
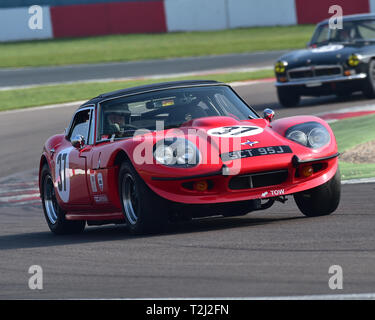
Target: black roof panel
{"x":149,"y":87}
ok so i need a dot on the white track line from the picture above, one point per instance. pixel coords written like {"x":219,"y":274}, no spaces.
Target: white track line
{"x":353,"y":296}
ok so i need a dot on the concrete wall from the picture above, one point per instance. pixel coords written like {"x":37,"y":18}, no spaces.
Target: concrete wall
{"x":14,"y":25}
{"x":80,"y":18}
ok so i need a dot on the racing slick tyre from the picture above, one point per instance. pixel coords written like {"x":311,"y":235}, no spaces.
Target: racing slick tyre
{"x":369,"y":85}
{"x":144,"y":211}
{"x":53,"y":213}
{"x":322,"y":200}
{"x":288,"y":97}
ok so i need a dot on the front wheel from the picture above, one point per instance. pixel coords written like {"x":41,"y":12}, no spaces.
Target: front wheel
{"x":144,"y":211}
{"x":369,"y":84}
{"x":288,"y":97}
{"x":322,"y":200}
{"x":53,"y":213}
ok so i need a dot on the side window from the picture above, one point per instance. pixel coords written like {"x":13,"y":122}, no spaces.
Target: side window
{"x":81,"y":124}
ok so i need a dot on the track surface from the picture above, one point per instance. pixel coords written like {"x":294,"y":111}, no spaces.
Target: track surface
{"x":270,"y":253}
{"x":49,"y":75}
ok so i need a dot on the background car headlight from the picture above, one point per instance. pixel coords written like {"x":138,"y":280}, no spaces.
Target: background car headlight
{"x":309,"y":134}
{"x":176,"y":152}
{"x":354,"y":60}
{"x":280,"y":66}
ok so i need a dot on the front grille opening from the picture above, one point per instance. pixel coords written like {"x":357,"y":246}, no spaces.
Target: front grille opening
{"x":327,"y":72}
{"x":315,"y":72}
{"x":258,"y":180}
{"x":301,"y":74}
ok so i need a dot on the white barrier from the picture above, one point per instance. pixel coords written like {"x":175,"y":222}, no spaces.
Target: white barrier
{"x":14,"y":25}
{"x":196,"y":15}
{"x":245,"y":13}
{"x":193,"y":15}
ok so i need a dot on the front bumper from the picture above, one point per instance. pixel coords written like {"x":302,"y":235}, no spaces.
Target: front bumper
{"x":173,"y":188}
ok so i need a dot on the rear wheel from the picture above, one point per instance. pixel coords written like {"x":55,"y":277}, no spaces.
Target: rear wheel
{"x":53,"y":213}
{"x":322,"y":200}
{"x":288,"y":97}
{"x":144,"y":211}
{"x":369,"y":86}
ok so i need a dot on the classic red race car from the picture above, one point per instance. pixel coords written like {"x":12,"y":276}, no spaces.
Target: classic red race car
{"x":151,"y":155}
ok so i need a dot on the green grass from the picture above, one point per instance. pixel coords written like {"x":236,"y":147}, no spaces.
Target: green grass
{"x":352,"y":132}
{"x":152,"y":46}
{"x":44,"y":95}
{"x":356,"y":171}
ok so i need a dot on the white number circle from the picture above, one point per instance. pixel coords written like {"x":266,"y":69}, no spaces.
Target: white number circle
{"x":235,"y":131}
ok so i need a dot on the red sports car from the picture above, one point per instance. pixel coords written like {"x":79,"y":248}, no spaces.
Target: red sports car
{"x":151,"y":155}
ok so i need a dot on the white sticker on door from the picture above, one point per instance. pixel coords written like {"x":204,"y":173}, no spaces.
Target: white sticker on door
{"x":62,"y":174}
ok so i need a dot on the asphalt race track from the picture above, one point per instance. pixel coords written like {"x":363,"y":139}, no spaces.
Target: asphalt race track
{"x":277,"y":252}
{"x":13,"y":77}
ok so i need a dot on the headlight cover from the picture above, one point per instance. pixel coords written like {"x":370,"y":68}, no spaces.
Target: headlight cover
{"x":280,"y":66}
{"x":176,"y":152}
{"x":354,"y":60}
{"x":309,"y":134}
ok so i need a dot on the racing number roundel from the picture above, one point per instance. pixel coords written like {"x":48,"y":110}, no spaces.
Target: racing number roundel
{"x":62,"y":174}
{"x":235,"y":131}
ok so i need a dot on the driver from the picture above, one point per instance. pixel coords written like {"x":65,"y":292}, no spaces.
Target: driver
{"x":115,"y":122}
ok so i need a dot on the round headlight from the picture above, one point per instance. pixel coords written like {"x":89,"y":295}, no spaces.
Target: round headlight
{"x":309,"y":134}
{"x":298,"y":136}
{"x":354,"y":60}
{"x":280,"y":66}
{"x":164,"y":154}
{"x":176,"y":152}
{"x":318,"y":137}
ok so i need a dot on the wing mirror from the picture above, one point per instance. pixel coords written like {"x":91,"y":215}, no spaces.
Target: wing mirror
{"x":78,"y":141}
{"x":268,"y":114}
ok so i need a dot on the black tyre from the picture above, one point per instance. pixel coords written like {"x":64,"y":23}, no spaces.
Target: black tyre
{"x":288,"y":97}
{"x":144,"y":211}
{"x":369,"y":85}
{"x":53,"y":213}
{"x":322,"y":200}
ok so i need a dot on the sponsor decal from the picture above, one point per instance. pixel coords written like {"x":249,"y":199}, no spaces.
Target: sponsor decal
{"x":273,"y":193}
{"x":328,"y":48}
{"x":249,"y":143}
{"x":93,"y":183}
{"x":235,"y":131}
{"x":101,"y":198}
{"x":100,"y":181}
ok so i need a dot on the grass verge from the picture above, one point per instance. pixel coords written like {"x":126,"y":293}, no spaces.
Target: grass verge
{"x":352,"y":132}
{"x":151,"y":46}
{"x":44,"y":95}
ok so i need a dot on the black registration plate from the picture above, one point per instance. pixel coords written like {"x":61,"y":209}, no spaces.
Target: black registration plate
{"x":248,"y":153}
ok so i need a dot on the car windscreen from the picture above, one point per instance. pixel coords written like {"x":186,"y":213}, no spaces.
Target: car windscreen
{"x":169,"y":108}
{"x":352,"y":31}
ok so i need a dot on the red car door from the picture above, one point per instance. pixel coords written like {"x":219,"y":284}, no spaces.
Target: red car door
{"x":71,"y":164}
